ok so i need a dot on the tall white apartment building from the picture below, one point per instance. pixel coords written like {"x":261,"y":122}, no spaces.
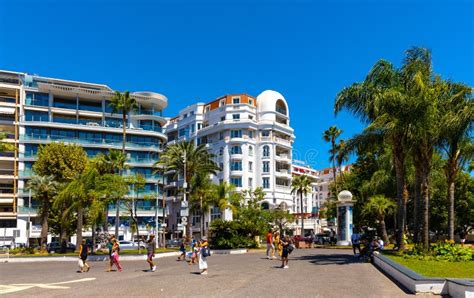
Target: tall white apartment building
{"x":326,"y":177}
{"x":37,"y":110}
{"x":252,"y":140}
{"x":311,"y":201}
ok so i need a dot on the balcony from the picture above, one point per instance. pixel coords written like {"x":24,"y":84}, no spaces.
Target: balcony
{"x":27,"y":210}
{"x":283,"y":157}
{"x":283,"y":142}
{"x":6,"y":173}
{"x":139,"y":160}
{"x":98,"y":142}
{"x":283,"y":173}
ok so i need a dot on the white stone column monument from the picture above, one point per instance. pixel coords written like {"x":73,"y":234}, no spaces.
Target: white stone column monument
{"x":344,"y":205}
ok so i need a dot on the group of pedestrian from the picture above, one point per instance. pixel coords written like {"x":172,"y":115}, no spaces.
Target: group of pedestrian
{"x":281,"y":246}
{"x":198,"y":253}
{"x":370,"y":244}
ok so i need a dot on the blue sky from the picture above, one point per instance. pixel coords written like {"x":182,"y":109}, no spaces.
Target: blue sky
{"x":307,"y":50}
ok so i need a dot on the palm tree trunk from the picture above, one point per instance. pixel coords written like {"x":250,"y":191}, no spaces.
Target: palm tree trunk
{"x":450,"y":177}
{"x":105,"y":225}
{"x":399,"y":163}
{"x":383,"y":229}
{"x":417,"y":206}
{"x":426,"y":202}
{"x":94,"y":226}
{"x":302,"y":214}
{"x":117,"y":218}
{"x":44,"y":229}
{"x":333,"y":142}
{"x":80,"y":222}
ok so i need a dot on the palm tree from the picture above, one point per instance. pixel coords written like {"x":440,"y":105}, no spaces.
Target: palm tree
{"x":226,"y":197}
{"x":122,"y":102}
{"x":301,"y":185}
{"x":111,"y":163}
{"x":331,"y":135}
{"x":187,"y":160}
{"x":78,"y":195}
{"x":380,"y":101}
{"x":457,"y":108}
{"x":341,"y":156}
{"x":44,"y":189}
{"x":201,"y":197}
{"x":379,"y":206}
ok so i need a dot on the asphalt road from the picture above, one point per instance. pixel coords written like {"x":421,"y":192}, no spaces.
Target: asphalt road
{"x":311,"y":273}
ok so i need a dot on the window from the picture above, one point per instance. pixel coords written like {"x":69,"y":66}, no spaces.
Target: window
{"x":236,"y":150}
{"x":221,"y":135}
{"x":236,"y":133}
{"x":215,"y":213}
{"x":223,"y":118}
{"x":265,"y":133}
{"x":37,"y":99}
{"x":250,"y":182}
{"x":237,"y":181}
{"x":193,"y":127}
{"x":236,"y":100}
{"x":266,"y":166}
{"x":266,"y":182}
{"x":250,"y":134}
{"x":250,"y":117}
{"x":250,"y":150}
{"x":236,"y":166}
{"x":251,"y":101}
{"x":221,"y":166}
{"x":221,"y":151}
{"x":236,"y":116}
{"x":207,"y":109}
{"x":222,"y":103}
{"x":36,"y":116}
{"x":250,"y":166}
{"x":199,"y":126}
{"x":266,"y":151}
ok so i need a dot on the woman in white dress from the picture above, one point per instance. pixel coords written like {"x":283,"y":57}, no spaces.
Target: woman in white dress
{"x":203,"y":247}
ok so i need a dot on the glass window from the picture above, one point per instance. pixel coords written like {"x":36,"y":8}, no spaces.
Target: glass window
{"x":58,"y":134}
{"x":250,"y":150}
{"x":221,"y":151}
{"x":266,"y":182}
{"x":64,"y":103}
{"x":222,"y":103}
{"x":236,"y":166}
{"x":36,"y":116}
{"x":221,"y":135}
{"x":37,"y":99}
{"x":237,"y":181}
{"x":64,"y":119}
{"x":266,"y":151}
{"x":90,"y":106}
{"x":222,"y":118}
{"x":236,"y":150}
{"x":215,"y":213}
{"x":266,"y":166}
{"x":236,"y":133}
{"x":250,"y":166}
{"x":251,"y":134}
{"x":250,"y":101}
{"x":265,"y":133}
{"x":113,"y":122}
{"x":251,"y":117}
{"x":236,"y":116}
{"x":250,"y":182}
{"x":90,"y":136}
{"x":235,"y":100}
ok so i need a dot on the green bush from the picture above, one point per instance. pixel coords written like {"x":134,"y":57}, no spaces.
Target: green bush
{"x":22,"y":251}
{"x":230,"y":234}
{"x":442,"y":251}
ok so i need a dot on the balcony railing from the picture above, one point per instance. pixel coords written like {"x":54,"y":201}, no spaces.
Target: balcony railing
{"x":35,"y":137}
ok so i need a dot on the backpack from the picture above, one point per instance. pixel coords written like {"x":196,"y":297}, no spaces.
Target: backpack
{"x":291,"y":247}
{"x":206,"y":252}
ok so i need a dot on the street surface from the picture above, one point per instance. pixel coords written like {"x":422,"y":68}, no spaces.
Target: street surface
{"x":311,"y":273}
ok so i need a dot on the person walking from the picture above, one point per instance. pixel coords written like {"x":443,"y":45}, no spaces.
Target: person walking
{"x":115,"y":254}
{"x":270,"y":247}
{"x":277,"y":244}
{"x":182,"y":249}
{"x":287,"y":248}
{"x":83,"y":252}
{"x":355,"y":239}
{"x":150,"y":249}
{"x":203,"y":254}
{"x":110,"y":244}
{"x":194,"y":252}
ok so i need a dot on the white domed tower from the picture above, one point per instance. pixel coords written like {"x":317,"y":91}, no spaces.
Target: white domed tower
{"x":274,"y":149}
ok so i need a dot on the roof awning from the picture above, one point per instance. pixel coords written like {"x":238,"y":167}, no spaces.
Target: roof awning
{"x":5,"y":110}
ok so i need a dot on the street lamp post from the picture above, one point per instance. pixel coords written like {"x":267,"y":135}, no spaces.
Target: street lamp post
{"x":185,"y":186}
{"x":156,"y":213}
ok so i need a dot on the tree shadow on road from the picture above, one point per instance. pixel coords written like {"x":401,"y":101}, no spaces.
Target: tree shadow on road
{"x":334,"y":259}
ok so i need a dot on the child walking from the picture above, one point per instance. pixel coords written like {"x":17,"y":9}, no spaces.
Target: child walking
{"x":151,"y":246}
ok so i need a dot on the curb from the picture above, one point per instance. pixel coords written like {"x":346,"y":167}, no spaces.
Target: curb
{"x":104,"y":258}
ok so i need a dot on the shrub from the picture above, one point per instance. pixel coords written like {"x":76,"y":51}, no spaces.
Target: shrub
{"x":442,"y":251}
{"x":229,"y":234}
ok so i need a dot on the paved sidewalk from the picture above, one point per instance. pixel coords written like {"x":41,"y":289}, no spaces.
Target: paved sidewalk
{"x":312,"y":273}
